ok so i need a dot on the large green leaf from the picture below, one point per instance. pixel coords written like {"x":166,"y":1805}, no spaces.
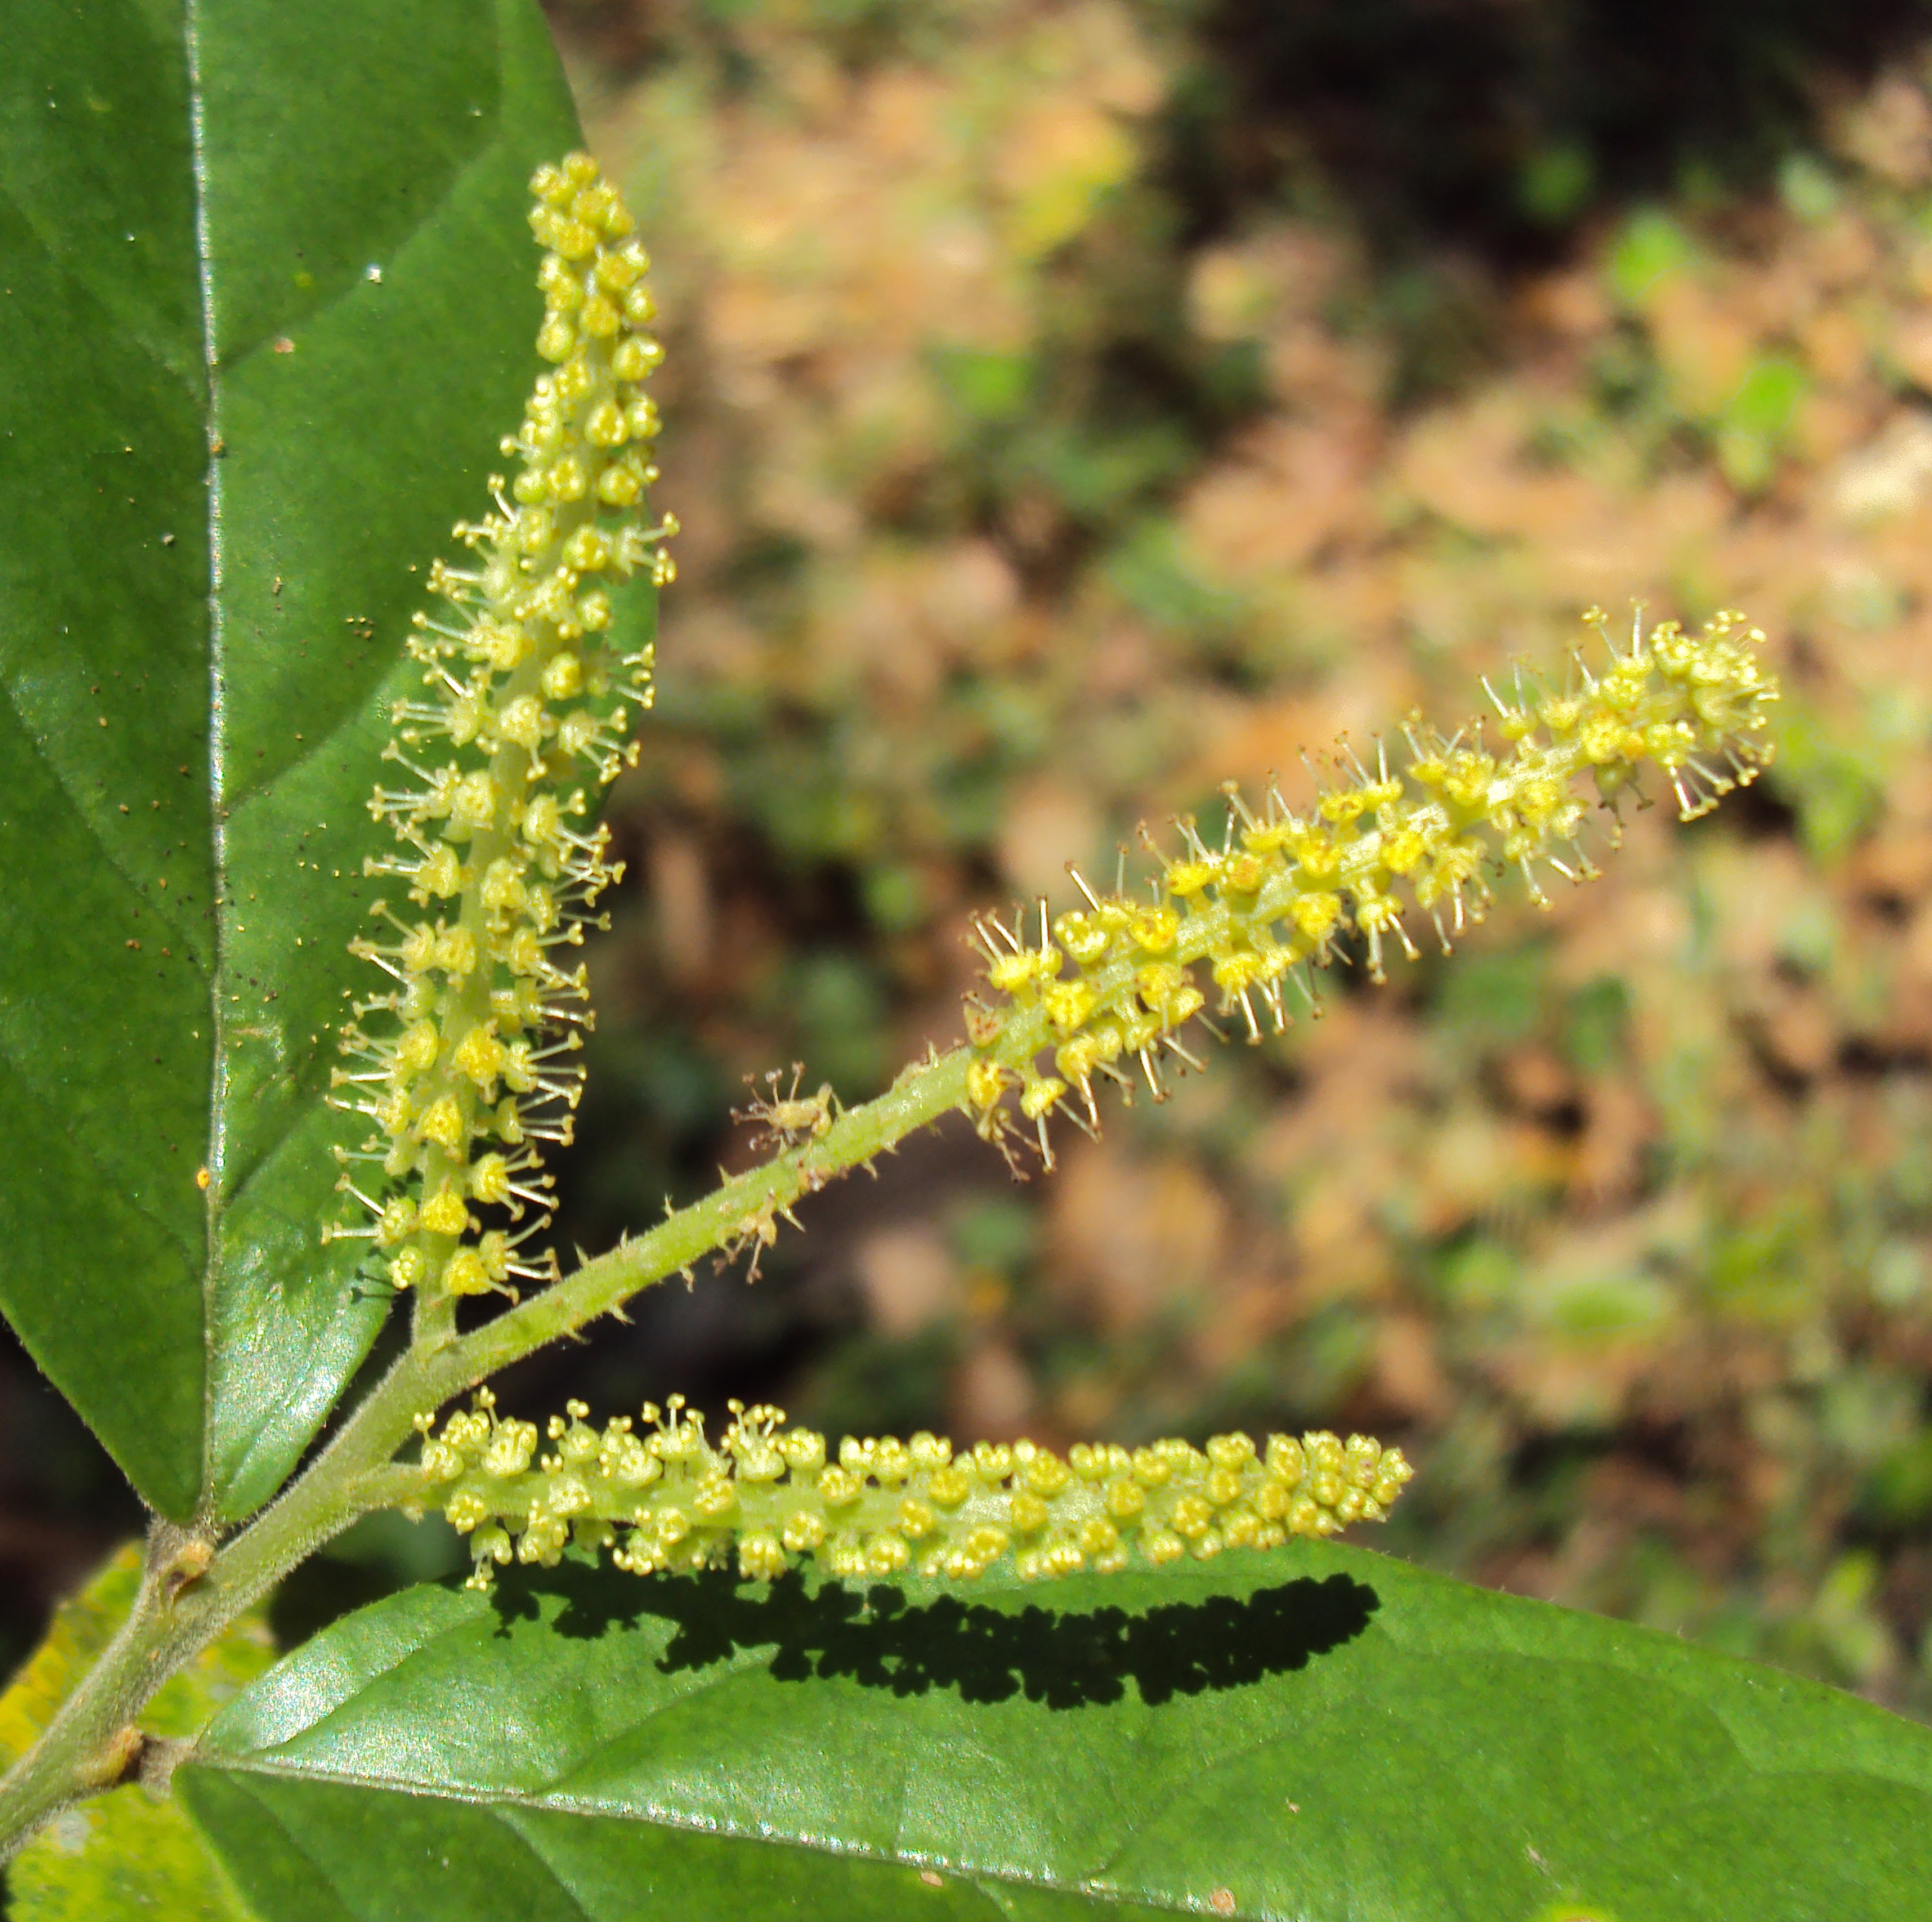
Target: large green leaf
{"x":268,"y":305}
{"x":1323,"y":1734}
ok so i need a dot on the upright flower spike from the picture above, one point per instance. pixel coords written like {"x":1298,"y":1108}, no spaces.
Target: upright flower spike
{"x":464,"y":1064}
{"x":1107,"y":987}
{"x":767,"y":1496}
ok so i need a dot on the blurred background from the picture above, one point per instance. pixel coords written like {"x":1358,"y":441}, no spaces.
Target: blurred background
{"x":1075,"y":405}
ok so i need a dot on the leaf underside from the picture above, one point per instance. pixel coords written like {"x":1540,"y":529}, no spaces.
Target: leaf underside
{"x":224,"y":482}
{"x":1322,"y":1733}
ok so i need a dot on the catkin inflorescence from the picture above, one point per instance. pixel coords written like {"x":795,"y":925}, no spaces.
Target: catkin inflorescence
{"x":1108,"y":986}
{"x":467,"y":1062}
{"x":464,"y":1064}
{"x":767,"y":1494}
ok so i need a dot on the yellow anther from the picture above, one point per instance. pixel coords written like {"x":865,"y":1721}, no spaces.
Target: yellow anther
{"x":476,"y":801}
{"x":490,"y":1180}
{"x":479,"y":1055}
{"x":948,"y":1486}
{"x":563,"y":676}
{"x":605,"y":425}
{"x":443,"y":1124}
{"x":502,"y":890}
{"x":444,"y":1213}
{"x":408,"y":1267}
{"x":464,"y":1273}
{"x":588,"y":550}
{"x":986,"y":1082}
{"x":416,"y":1049}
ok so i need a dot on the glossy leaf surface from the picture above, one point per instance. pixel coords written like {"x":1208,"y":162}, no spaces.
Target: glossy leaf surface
{"x":1321,"y":1734}
{"x":268,"y":306}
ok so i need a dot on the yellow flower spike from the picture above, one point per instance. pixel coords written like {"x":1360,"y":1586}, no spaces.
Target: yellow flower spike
{"x":1382,"y":846}
{"x":765,"y":1495}
{"x":525,"y":694}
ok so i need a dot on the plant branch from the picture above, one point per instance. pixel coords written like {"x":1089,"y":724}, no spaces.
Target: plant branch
{"x":730,"y":1216}
{"x":1131,"y":990}
{"x":173,"y":1618}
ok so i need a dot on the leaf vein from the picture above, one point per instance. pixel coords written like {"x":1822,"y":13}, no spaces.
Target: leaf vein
{"x":180,"y":930}
{"x":113,"y":1180}
{"x":120,"y":324}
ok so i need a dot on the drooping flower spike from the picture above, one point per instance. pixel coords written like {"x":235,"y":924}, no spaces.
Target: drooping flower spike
{"x":767,"y":1496}
{"x":1283,"y":888}
{"x":464,"y":1062}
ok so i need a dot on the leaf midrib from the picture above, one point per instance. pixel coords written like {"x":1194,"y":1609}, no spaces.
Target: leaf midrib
{"x":217,"y":1122}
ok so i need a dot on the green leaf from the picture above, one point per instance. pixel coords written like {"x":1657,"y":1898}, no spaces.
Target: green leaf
{"x":268,"y":305}
{"x":1757,"y":419}
{"x":122,"y":1853}
{"x":1323,"y":1733}
{"x":1652,"y":249}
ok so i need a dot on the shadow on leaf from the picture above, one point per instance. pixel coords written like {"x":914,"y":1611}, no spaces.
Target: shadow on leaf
{"x":1063,"y":1659}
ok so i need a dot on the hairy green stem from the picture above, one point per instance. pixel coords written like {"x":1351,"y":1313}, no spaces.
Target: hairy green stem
{"x":730,"y":1215}
{"x":177,"y":1613}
